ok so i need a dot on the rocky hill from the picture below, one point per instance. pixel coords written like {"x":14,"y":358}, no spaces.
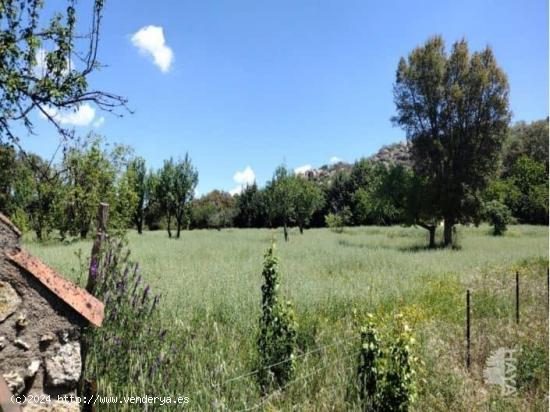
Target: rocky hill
{"x":393,"y":154}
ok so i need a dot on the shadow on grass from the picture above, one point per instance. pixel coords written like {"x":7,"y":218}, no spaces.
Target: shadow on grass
{"x":427,"y":248}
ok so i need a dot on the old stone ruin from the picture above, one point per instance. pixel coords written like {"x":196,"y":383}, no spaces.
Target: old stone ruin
{"x":41,"y":317}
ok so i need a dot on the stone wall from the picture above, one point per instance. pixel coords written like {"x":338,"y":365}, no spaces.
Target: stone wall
{"x":39,"y":333}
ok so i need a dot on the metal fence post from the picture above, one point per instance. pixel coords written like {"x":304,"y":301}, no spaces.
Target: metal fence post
{"x":468,"y":344}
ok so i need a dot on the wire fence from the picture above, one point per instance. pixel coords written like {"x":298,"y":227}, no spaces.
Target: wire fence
{"x":505,"y":296}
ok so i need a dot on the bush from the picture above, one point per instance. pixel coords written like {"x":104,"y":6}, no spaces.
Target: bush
{"x":498,"y":215}
{"x":117,"y":358}
{"x":386,"y":377}
{"x":337,"y":221}
{"x":277,"y":340}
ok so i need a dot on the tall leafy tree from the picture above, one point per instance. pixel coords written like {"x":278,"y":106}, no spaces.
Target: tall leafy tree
{"x":308,"y":199}
{"x":45,"y":63}
{"x":250,"y":205}
{"x":454,"y":110}
{"x":37,"y":192}
{"x":526,"y":139}
{"x":8,"y":165}
{"x":93,"y":175}
{"x":214,"y":210}
{"x":175,"y":190}
{"x":281,"y":192}
{"x":137,"y":177}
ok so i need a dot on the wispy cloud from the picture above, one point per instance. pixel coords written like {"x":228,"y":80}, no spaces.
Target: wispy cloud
{"x":243,"y":178}
{"x":302,"y":169}
{"x":150,"y":41}
{"x":99,"y":122}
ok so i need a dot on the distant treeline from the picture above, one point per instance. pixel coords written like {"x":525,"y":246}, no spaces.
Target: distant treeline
{"x":60,"y":199}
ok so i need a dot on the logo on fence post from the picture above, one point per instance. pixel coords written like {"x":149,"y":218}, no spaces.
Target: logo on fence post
{"x":500,"y":369}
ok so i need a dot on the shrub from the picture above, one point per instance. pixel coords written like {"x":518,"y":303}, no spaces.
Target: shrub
{"x":498,"y":215}
{"x":386,"y":376}
{"x":130,"y":347}
{"x":337,"y":221}
{"x":368,"y":373}
{"x":277,"y":340}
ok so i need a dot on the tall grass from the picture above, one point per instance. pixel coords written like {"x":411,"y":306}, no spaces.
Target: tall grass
{"x":210,"y":282}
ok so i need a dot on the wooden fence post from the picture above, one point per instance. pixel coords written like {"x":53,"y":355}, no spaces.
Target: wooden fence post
{"x":102,"y":217}
{"x":86,"y":388}
{"x":517,"y":297}
{"x":468,"y":357}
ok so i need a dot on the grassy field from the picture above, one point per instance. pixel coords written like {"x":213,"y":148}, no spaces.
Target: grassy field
{"x":210,"y":282}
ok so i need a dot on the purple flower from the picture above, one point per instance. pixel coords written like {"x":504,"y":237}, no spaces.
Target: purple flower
{"x":93,"y":268}
{"x":145,"y":294}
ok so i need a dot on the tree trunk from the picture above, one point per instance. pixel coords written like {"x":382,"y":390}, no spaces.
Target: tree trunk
{"x":38,"y":232}
{"x":285,"y":231}
{"x":301,"y":230}
{"x":168,"y":226}
{"x":448,"y":232}
{"x":431,"y":229}
{"x":178,"y":228}
{"x":140,"y":226}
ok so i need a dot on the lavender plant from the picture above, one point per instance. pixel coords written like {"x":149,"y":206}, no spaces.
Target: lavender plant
{"x":131,"y":344}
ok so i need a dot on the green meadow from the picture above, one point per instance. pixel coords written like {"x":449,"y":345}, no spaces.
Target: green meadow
{"x":210,"y":286}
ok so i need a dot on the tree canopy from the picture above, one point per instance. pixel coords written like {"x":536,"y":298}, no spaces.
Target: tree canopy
{"x":454,"y":110}
{"x":45,"y":65}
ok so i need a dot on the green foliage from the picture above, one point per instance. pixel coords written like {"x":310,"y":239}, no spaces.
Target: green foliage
{"x":8,"y":165}
{"x":454,"y":109}
{"x":215,"y":210}
{"x":37,"y":191}
{"x":498,"y":215}
{"x":368,"y":372}
{"x":136,"y":176}
{"x":38,"y":72}
{"x":93,"y":175}
{"x":116,"y":354}
{"x":308,"y":200}
{"x":526,"y":139}
{"x":530,"y":181}
{"x":175,"y":190}
{"x":532,"y":366}
{"x":277,"y":339}
{"x":337,"y":221}
{"x":386,"y":376}
{"x":250,"y":205}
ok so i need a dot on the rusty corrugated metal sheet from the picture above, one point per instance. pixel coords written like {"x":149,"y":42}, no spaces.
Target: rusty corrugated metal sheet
{"x":6,"y":403}
{"x":77,"y":298}
{"x":10,"y":224}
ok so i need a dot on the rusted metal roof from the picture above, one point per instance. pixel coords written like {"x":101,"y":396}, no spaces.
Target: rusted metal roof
{"x":9,"y":224}
{"x":6,"y":402}
{"x":77,"y":298}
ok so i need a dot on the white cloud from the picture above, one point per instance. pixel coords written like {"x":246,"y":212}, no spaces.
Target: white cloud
{"x":243,"y":178}
{"x":150,"y":41}
{"x":236,"y":191}
{"x":82,"y":116}
{"x":335,"y":159}
{"x":302,"y":169}
{"x":246,"y":177}
{"x":99,"y":122}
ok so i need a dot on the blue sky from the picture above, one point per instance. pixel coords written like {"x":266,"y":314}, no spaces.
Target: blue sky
{"x":254,"y":83}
